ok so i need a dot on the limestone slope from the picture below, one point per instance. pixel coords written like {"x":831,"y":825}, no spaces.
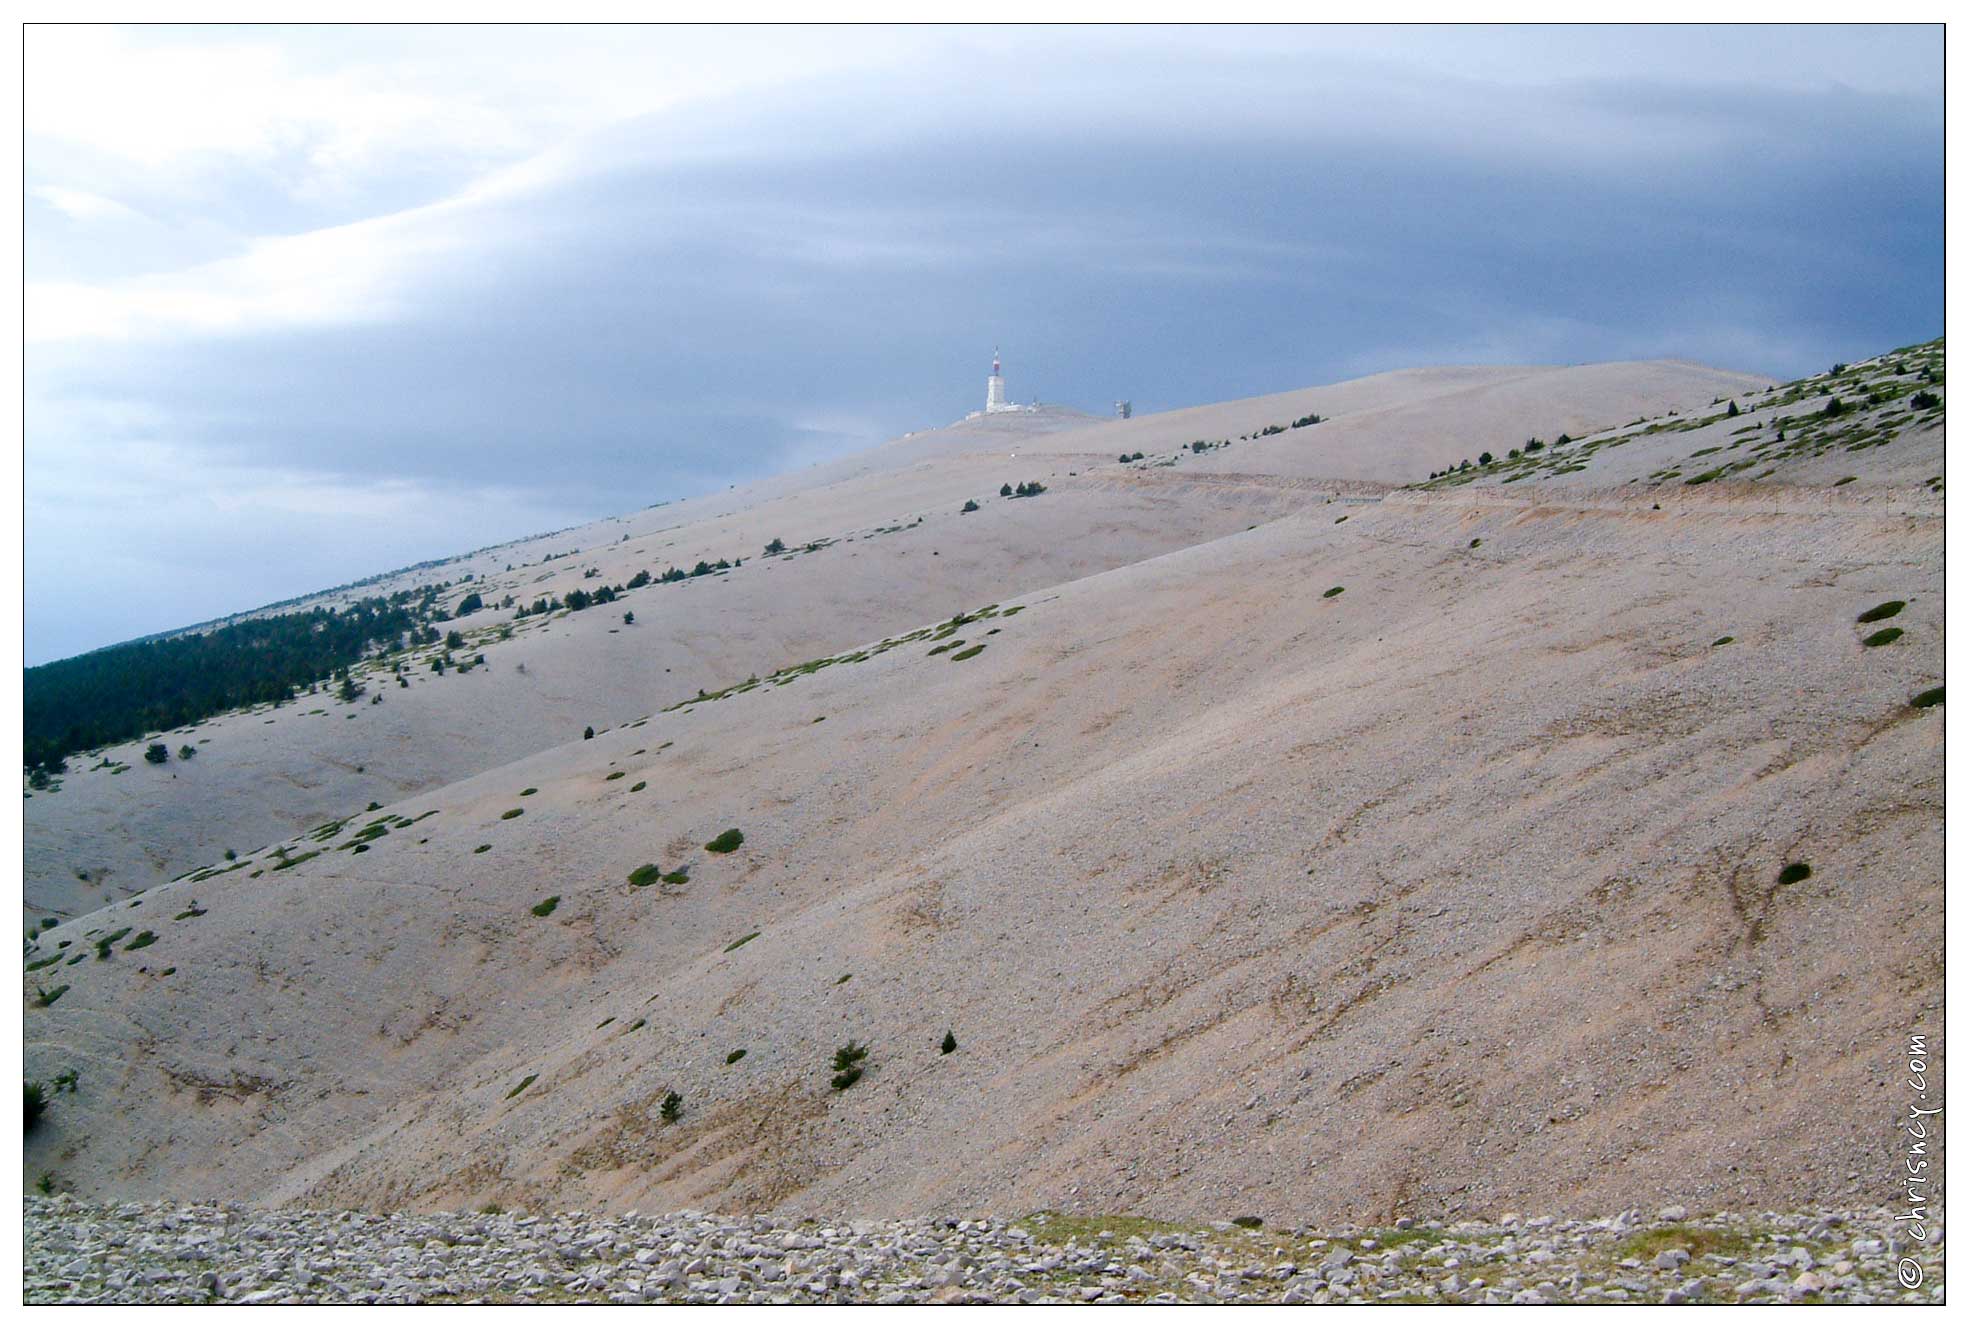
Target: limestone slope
{"x":1418,"y":856}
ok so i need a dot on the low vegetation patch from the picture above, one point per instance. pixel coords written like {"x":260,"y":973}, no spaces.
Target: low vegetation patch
{"x":512,"y":813}
{"x":1330,"y":592}
{"x":520,"y":1088}
{"x":547,"y":906}
{"x":1923,"y":700}
{"x":1882,"y":637}
{"x":1880,"y":611}
{"x":725,"y":841}
{"x":735,"y":1055}
{"x":848,"y":1060}
{"x":967,"y":654}
{"x":1792,"y":873}
{"x":645,"y":874}
{"x":740,"y":942}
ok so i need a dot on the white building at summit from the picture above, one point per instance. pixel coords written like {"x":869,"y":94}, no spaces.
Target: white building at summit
{"x":995,"y":403}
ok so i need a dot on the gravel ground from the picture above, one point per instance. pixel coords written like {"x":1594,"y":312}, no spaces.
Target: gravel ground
{"x":83,"y":1252}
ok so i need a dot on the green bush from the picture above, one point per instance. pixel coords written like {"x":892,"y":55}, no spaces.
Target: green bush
{"x":546,"y":906}
{"x":1880,"y":611}
{"x":520,"y":1088}
{"x":645,"y":874}
{"x":1882,"y":637}
{"x":157,"y":754}
{"x":968,"y":653}
{"x":1792,"y":873}
{"x":141,"y":940}
{"x":37,"y":1102}
{"x":1722,"y":641}
{"x":726,"y":841}
{"x":1924,"y":401}
{"x":970,"y":505}
{"x":511,"y":813}
{"x":1923,"y":700}
{"x":740,"y":942}
{"x":1331,"y":592}
{"x":615,"y":775}
{"x":186,"y":752}
{"x":736,"y":1055}
{"x":673,"y":1106}
{"x":949,"y":1044}
{"x":848,"y":1060}
{"x":528,"y":792}
{"x":776,"y":546}
{"x":49,"y":996}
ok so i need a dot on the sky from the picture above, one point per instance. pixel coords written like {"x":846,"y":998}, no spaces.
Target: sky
{"x":306,"y":304}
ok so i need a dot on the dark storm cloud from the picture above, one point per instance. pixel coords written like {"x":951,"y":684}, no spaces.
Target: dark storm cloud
{"x":709,"y":294}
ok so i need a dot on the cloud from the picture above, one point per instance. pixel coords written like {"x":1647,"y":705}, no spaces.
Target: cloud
{"x":378,"y":266}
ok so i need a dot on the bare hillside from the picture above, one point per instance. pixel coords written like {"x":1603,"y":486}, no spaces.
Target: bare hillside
{"x":1561,"y":834}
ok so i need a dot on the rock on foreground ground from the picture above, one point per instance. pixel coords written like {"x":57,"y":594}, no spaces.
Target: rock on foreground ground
{"x":200,"y":1254}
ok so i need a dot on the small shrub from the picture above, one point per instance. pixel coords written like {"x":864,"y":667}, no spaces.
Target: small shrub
{"x":1248,"y":1221}
{"x":968,"y":653}
{"x":680,"y":877}
{"x":511,"y":813}
{"x":1331,"y":592}
{"x":520,"y":1088}
{"x":848,"y":1060}
{"x":482,"y":848}
{"x":776,"y":546}
{"x":740,"y":942}
{"x":1474,"y":543}
{"x":1882,"y":637}
{"x":546,"y":906}
{"x":1880,"y":611}
{"x":645,"y":874}
{"x":1924,"y":401}
{"x":588,"y":733}
{"x":971,"y":504}
{"x":725,"y":841}
{"x":528,"y":792}
{"x":1004,"y":491}
{"x":49,"y":996}
{"x":186,"y":752}
{"x":615,"y":775}
{"x":1792,"y":873}
{"x":1722,"y":641}
{"x":673,"y":1106}
{"x":157,"y":754}
{"x":1923,"y":700}
{"x":37,"y":1101}
{"x":141,"y":940}
{"x":736,"y":1055}
{"x":1484,"y":459}
{"x":949,"y":1044}
{"x":639,"y":786}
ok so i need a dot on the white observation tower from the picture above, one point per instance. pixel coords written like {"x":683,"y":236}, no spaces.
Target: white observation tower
{"x":995,"y":389}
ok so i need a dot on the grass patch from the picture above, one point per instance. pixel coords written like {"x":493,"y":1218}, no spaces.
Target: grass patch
{"x":725,"y":841}
{"x":1331,"y":591}
{"x":645,"y":874}
{"x":735,"y":1055}
{"x":1722,"y":641}
{"x":1697,"y":1241}
{"x":1882,"y":637}
{"x":512,"y":813}
{"x":141,"y":940}
{"x":547,"y":906}
{"x":49,"y":996}
{"x":1792,"y":873}
{"x":965,"y":655}
{"x":528,"y":792}
{"x":1880,"y":611}
{"x":520,"y":1088}
{"x":482,"y":848}
{"x":680,"y":877}
{"x":615,"y":775}
{"x":1923,"y":700}
{"x":639,"y":786}
{"x":740,"y":942}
